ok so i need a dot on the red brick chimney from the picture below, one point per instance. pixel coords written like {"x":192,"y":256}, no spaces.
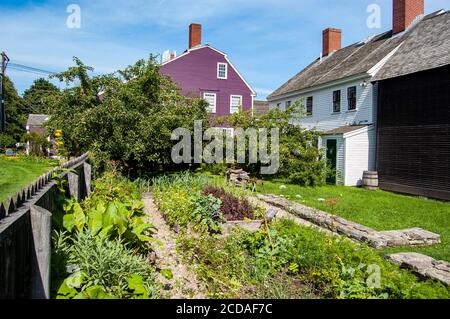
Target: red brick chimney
{"x":195,"y":35}
{"x":332,"y":40}
{"x":405,"y":12}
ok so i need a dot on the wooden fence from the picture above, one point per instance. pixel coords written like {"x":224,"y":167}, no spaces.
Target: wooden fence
{"x":25,"y":231}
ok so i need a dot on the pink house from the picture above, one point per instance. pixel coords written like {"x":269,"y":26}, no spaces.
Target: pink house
{"x":208,"y":73}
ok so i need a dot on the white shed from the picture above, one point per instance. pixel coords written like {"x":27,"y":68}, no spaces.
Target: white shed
{"x":351,"y":151}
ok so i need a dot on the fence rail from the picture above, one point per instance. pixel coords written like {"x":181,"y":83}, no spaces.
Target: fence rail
{"x":25,"y":230}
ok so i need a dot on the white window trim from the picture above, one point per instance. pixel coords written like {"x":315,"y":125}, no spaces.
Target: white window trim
{"x":231,"y":103}
{"x":213,"y":110}
{"x":226,"y":71}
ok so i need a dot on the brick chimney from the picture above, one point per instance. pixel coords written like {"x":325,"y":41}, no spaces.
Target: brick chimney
{"x":195,"y":35}
{"x":405,"y":12}
{"x":332,"y":40}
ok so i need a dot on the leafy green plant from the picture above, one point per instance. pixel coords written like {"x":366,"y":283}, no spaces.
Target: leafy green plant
{"x":101,"y":268}
{"x":111,"y":220}
{"x":206,"y":213}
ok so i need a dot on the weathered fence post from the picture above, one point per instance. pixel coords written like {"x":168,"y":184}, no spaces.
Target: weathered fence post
{"x":87,"y":177}
{"x":74,"y":186}
{"x":41,"y":252}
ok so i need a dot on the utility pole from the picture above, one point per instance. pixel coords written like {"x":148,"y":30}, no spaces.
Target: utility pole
{"x":5,"y":61}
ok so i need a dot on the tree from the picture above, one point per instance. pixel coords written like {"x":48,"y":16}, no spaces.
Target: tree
{"x":36,"y":96}
{"x":131,"y":124}
{"x":15,"y":120}
{"x":301,"y":161}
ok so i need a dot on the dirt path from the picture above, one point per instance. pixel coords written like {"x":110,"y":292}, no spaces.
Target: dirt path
{"x":184,"y":284}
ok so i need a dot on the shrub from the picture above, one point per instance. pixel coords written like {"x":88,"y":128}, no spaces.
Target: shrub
{"x":101,"y":268}
{"x":232,"y":208}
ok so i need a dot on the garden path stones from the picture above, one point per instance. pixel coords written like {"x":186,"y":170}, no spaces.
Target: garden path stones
{"x":422,"y":265}
{"x":184,"y":284}
{"x":336,"y":224}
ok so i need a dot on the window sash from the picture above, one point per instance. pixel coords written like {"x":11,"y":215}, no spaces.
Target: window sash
{"x":351,"y":96}
{"x":211,"y":98}
{"x":222,"y":71}
{"x":309,"y":105}
{"x":235,"y":102}
{"x":336,"y":101}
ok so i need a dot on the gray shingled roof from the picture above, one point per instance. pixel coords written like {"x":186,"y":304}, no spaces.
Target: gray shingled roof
{"x":344,"y":129}
{"x":260,"y":107}
{"x":36,"y":119}
{"x":359,"y":58}
{"x":427,"y":46}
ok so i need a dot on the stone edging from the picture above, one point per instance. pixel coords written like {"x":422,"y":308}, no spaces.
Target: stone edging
{"x":376,"y":239}
{"x":423,"y":265}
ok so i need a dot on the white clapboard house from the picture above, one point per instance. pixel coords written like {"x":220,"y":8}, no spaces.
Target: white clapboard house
{"x":340,"y":96}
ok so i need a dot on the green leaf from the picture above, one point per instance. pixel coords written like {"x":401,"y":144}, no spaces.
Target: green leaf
{"x":114,"y":217}
{"x":167,"y":273}
{"x":79,"y":217}
{"x":69,"y":222}
{"x":95,"y":223}
{"x":136,"y":283}
{"x":66,"y":292}
{"x":95,"y":292}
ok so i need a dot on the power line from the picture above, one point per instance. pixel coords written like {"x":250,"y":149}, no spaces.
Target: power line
{"x":29,"y":69}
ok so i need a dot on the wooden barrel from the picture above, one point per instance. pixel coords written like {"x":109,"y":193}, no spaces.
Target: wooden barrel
{"x":370,"y":180}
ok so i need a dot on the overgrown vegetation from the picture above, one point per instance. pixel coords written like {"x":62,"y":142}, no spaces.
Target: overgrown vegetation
{"x":200,"y":203}
{"x":301,"y":161}
{"x":307,"y":263}
{"x":101,"y":244}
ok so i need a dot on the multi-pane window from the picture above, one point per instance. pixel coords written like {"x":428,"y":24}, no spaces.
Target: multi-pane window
{"x":337,"y":101}
{"x":222,"y":71}
{"x":235,"y":103}
{"x":309,"y":105}
{"x":288,"y":104}
{"x":351,"y":97}
{"x":211,"y":98}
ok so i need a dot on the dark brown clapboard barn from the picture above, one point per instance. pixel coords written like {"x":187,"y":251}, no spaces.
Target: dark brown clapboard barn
{"x":413,"y":133}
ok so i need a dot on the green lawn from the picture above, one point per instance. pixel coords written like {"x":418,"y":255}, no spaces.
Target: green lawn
{"x":16,"y":173}
{"x":379,"y":210}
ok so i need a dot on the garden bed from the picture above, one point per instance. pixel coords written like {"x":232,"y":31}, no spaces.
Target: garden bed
{"x":277,"y":259}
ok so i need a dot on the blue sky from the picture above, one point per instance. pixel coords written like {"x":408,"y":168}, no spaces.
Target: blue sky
{"x":268,"y":40}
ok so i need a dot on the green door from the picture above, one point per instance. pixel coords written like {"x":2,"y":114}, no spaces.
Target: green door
{"x":332,"y":159}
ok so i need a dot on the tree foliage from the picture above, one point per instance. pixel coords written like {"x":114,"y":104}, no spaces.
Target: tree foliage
{"x":36,"y":96}
{"x":131,"y":122}
{"x":301,"y":160}
{"x":15,"y":118}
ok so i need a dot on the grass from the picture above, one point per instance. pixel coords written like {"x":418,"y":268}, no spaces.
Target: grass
{"x":18,"y":172}
{"x":376,"y":209}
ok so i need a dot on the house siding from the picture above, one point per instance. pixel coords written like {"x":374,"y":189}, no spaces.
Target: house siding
{"x":196,"y":73}
{"x":323,"y":118}
{"x":360,"y":155}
